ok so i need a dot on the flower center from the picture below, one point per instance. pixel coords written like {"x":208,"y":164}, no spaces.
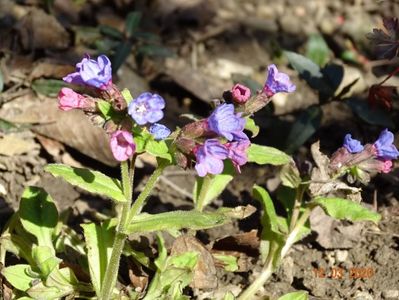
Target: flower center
{"x":141,"y":109}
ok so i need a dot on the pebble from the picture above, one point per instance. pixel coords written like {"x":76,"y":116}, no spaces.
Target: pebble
{"x":390,"y":294}
{"x":341,"y":255}
{"x":362,"y":296}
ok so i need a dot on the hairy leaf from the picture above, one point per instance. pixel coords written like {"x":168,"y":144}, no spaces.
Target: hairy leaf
{"x":267,"y":155}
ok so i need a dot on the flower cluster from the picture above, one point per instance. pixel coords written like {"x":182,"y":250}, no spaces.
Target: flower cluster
{"x":145,"y":109}
{"x":221,"y":136}
{"x":376,"y":157}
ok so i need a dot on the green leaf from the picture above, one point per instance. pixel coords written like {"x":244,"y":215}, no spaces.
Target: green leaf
{"x":303,"y":128}
{"x":179,"y":219}
{"x":229,"y":296}
{"x":48,"y":87}
{"x":290,"y":176}
{"x":229,"y":261}
{"x":17,"y":245}
{"x":375,"y":116}
{"x":18,"y":276}
{"x":45,"y":259}
{"x":301,"y":295}
{"x":339,"y":208}
{"x":127,"y":96}
{"x":214,"y":186}
{"x":267,"y":155}
{"x":132,"y":22}
{"x":309,"y":71}
{"x":122,"y":53}
{"x":91,"y":181}
{"x":38,"y":215}
{"x":269,"y":219}
{"x":111,"y":32}
{"x":105,"y":108}
{"x":251,"y":126}
{"x":99,"y":241}
{"x":158,"y":149}
{"x":317,"y":49}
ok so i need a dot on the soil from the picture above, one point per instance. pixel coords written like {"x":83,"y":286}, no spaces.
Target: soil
{"x":214,"y":40}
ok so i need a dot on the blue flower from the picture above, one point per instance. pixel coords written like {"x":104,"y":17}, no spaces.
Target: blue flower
{"x":384,"y":146}
{"x":224,"y":122}
{"x":277,"y":82}
{"x":147,"y":108}
{"x":352,"y":145}
{"x":95,"y":73}
{"x":159,"y":131}
{"x":210,"y":157}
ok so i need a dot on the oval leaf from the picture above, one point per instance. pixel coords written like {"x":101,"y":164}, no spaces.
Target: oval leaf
{"x":91,"y":181}
{"x":267,"y":155}
{"x":38,"y":214}
{"x":339,"y":208}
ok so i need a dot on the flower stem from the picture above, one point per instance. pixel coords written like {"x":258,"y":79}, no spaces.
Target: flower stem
{"x":297,"y":206}
{"x":270,"y":265}
{"x":206,"y":183}
{"x":111,"y":272}
{"x":140,"y":201}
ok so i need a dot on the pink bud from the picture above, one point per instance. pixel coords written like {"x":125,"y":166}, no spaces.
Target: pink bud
{"x":386,"y":166}
{"x":122,"y":145}
{"x":68,"y":99}
{"x":240,"y":93}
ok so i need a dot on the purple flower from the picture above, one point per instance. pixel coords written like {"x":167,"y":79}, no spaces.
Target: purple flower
{"x":352,"y":145}
{"x":385,"y":149}
{"x":159,"y":131}
{"x":210,"y":157}
{"x":122,"y":145}
{"x":240,"y":93}
{"x":224,"y":122}
{"x":91,"y":72}
{"x":146,"y":108}
{"x":277,"y":82}
{"x":237,"y":152}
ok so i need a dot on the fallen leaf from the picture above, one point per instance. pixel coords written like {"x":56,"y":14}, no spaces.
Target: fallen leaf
{"x":334,"y":234}
{"x":138,"y":277}
{"x":247,"y":242}
{"x":204,"y":276}
{"x":50,"y":69}
{"x":38,"y":30}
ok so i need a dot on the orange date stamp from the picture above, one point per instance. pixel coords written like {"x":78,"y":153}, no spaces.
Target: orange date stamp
{"x":341,"y":273}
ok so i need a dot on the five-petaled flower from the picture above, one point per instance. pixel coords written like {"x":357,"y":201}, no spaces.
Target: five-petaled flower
{"x":240,"y":93}
{"x":385,"y":149}
{"x":95,"y":73}
{"x":159,"y":131}
{"x":352,"y":145}
{"x":277,"y":82}
{"x":147,"y":108}
{"x":209,"y":157}
{"x":122,"y":145}
{"x":224,"y":122}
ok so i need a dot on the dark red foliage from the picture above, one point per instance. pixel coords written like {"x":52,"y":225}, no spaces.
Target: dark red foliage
{"x":386,"y":40}
{"x":381,"y":95}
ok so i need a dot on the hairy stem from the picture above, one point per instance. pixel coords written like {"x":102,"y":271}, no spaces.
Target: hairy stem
{"x":141,"y":199}
{"x":297,"y":206}
{"x":111,"y":272}
{"x":273,"y":256}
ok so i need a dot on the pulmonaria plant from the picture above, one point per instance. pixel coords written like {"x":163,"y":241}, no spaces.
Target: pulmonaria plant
{"x":217,"y":147}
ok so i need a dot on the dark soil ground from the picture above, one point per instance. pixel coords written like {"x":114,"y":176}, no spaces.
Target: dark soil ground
{"x":213,"y":41}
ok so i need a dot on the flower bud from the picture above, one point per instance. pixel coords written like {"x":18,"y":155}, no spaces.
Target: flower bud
{"x":240,"y":93}
{"x":195,"y":129}
{"x":68,"y":99}
{"x":185,"y":145}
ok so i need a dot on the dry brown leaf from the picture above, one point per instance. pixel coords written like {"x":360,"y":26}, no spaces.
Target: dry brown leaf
{"x":201,"y":85}
{"x":72,"y":128}
{"x":138,"y":277}
{"x":50,"y":69}
{"x":39,"y":30}
{"x":13,"y":145}
{"x":334,"y":234}
{"x":247,"y":242}
{"x":204,"y":276}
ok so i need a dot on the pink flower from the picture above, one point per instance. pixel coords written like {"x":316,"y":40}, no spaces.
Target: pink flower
{"x":68,"y":99}
{"x":122,"y":145}
{"x":240,"y":93}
